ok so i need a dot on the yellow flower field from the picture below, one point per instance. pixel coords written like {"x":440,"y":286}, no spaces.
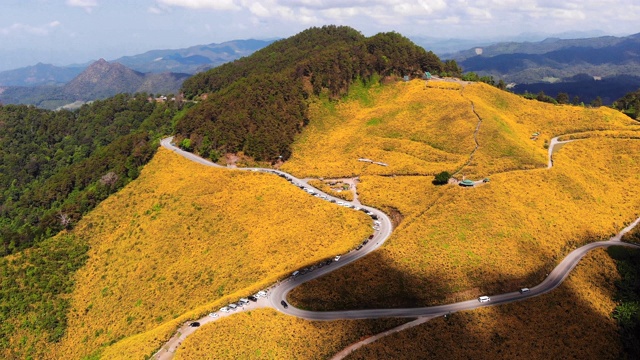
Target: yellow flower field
{"x":456,"y":243}
{"x":268,"y":334}
{"x":572,"y":322}
{"x":184,"y":239}
{"x":423,"y":130}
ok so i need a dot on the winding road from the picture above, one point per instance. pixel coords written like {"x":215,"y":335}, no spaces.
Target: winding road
{"x":278,"y":292}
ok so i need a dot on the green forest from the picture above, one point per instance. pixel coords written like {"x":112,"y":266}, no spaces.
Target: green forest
{"x":56,"y":166}
{"x":258,"y":104}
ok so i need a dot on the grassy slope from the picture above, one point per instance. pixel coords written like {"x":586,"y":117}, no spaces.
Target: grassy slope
{"x":391,"y":124}
{"x":572,"y":322}
{"x":183,"y":239}
{"x":267,"y":334}
{"x":457,"y":243}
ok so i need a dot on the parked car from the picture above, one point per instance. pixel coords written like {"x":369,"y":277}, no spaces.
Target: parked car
{"x":194,"y":324}
{"x":340,"y":203}
{"x":524,"y":290}
{"x":336,"y":258}
{"x":213,"y":315}
{"x":232,"y":306}
{"x":284,"y":304}
{"x":252,"y":298}
{"x":359,"y":247}
{"x":244,"y":301}
{"x":365,"y":242}
{"x":370,"y":236}
{"x":295,"y":273}
{"x":260,"y":294}
{"x":484,"y":299}
{"x":224,"y":309}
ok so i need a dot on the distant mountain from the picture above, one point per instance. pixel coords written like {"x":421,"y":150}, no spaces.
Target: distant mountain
{"x":103,"y":79}
{"x":39,"y":74}
{"x":100,"y":80}
{"x":189,"y":60}
{"x":554,"y":59}
{"x":192,"y":59}
{"x":609,"y":89}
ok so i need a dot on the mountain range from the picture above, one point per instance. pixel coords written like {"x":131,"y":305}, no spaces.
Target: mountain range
{"x":100,"y":80}
{"x":187,"y":60}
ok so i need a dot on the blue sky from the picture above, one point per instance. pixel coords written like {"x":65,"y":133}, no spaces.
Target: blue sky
{"x":74,"y":31}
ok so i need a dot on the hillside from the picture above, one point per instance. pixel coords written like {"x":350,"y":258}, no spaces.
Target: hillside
{"x":194,"y":238}
{"x":258,"y":104}
{"x":456,"y":243}
{"x":64,"y":163}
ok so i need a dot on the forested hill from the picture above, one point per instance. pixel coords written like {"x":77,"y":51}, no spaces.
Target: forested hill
{"x":56,"y":166}
{"x":258,"y":104}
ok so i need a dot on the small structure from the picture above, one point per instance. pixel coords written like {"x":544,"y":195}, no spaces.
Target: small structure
{"x":466,"y":183}
{"x":427,"y":75}
{"x":406,"y":78}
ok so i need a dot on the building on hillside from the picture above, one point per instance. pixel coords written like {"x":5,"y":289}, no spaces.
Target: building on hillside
{"x":466,"y":183}
{"x":427,"y":75}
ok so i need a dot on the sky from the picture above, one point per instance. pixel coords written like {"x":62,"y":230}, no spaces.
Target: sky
{"x":64,"y":32}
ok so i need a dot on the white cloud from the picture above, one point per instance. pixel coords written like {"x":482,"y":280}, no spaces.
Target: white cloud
{"x":87,"y":5}
{"x":495,"y":16}
{"x":202,"y":4}
{"x":24,"y":29}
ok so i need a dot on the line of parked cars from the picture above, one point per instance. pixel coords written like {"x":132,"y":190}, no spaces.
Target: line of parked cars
{"x":242,"y":302}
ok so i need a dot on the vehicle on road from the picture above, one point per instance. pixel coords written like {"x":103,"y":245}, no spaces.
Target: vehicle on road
{"x":359,"y":247}
{"x":284,"y":304}
{"x":295,"y":273}
{"x":224,"y":309}
{"x":194,"y":324}
{"x":336,"y":258}
{"x":214,"y":315}
{"x":244,"y":301}
{"x":340,"y":203}
{"x":260,"y":294}
{"x":370,"y":236}
{"x":484,"y":299}
{"x":524,"y":290}
{"x":365,"y":242}
{"x":253,"y":298}
{"x":232,"y":306}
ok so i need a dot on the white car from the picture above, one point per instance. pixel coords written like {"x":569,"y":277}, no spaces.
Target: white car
{"x":224,"y":309}
{"x":340,"y":203}
{"x":261,"y":294}
{"x":214,"y":315}
{"x":484,"y":299}
{"x":232,"y":306}
{"x":244,"y":301}
{"x":336,"y":258}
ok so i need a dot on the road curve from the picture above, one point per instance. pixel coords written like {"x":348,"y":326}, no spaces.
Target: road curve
{"x":279,"y":292}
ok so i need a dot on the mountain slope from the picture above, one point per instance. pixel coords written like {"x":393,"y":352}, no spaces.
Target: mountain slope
{"x":103,"y":79}
{"x":259,"y":103}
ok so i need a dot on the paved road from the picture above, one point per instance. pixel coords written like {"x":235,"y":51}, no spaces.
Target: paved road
{"x":279,"y":292}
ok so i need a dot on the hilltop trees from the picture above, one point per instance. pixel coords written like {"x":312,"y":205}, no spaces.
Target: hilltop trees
{"x":629,"y":104}
{"x":259,"y":103}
